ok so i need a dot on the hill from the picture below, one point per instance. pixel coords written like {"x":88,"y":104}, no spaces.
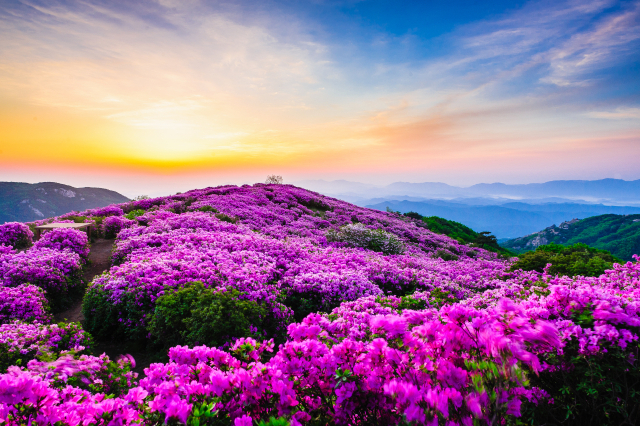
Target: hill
{"x":618,"y":234}
{"x":23,"y":202}
{"x":267,"y":300}
{"x":508,"y":220}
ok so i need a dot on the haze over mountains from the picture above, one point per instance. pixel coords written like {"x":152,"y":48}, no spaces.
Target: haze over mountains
{"x":508,"y":211}
{"x":606,"y":191}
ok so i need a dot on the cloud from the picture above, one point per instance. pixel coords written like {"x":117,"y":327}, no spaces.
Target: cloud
{"x":617,"y":114}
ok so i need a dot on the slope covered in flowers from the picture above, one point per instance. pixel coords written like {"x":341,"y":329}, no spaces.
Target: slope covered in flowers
{"x":353,"y":317}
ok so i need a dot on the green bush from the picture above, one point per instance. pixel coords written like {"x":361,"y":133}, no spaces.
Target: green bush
{"x":223,"y":217}
{"x":195,"y":315}
{"x":578,"y":259}
{"x":208,"y":209}
{"x":134,"y":213}
{"x":101,"y":317}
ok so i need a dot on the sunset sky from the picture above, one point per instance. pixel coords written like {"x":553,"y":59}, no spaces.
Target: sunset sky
{"x":165,"y":96}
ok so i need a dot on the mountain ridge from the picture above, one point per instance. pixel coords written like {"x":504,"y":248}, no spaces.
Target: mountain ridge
{"x":24,"y":202}
{"x":604,"y":190}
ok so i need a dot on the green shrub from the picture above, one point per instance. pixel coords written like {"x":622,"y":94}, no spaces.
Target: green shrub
{"x":101,"y":317}
{"x":445,"y":255}
{"x":134,"y":213}
{"x":578,"y":259}
{"x":195,"y":315}
{"x":223,"y":217}
{"x":208,"y":209}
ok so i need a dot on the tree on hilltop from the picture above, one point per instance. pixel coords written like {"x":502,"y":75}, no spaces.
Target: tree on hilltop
{"x":274,"y":179}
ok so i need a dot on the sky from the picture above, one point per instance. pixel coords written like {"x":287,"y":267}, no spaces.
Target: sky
{"x":164,"y":96}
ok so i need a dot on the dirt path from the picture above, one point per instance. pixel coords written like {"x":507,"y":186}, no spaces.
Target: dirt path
{"x":100,"y":257}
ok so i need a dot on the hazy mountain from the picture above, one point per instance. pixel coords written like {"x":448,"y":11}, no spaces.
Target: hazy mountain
{"x":609,"y":191}
{"x":24,"y":202}
{"x":508,"y":220}
{"x":619,"y":234}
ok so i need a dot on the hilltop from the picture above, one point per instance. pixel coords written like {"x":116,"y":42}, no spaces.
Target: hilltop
{"x":23,"y":202}
{"x":618,"y":234}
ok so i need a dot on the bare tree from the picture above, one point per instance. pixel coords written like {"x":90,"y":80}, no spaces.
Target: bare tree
{"x":274,"y":179}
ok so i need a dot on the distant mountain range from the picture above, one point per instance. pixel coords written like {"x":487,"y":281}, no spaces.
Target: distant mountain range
{"x":23,"y":202}
{"x":606,"y":191}
{"x":507,"y":220}
{"x":616,"y":233}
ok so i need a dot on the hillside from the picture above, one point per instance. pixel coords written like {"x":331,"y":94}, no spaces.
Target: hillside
{"x":459,"y":232}
{"x":269,"y":297}
{"x":22,"y":202}
{"x":619,"y":234}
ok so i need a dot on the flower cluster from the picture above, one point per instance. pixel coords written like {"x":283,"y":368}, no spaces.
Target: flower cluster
{"x":114,"y":224}
{"x":48,"y":268}
{"x":25,"y":303}
{"x":65,"y":239}
{"x":20,"y":341}
{"x":15,"y":234}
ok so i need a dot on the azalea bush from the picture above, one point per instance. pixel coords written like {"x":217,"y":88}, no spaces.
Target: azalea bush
{"x":97,"y":374}
{"x":25,"y":302}
{"x":112,"y":225}
{"x":16,"y":235}
{"x":65,"y":239}
{"x":57,"y":272}
{"x":21,"y":342}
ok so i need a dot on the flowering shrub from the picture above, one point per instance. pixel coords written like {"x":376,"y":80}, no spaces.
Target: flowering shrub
{"x":97,"y":374}
{"x":114,"y":224}
{"x":21,"y":342}
{"x":358,"y":235}
{"x":65,"y":239}
{"x":15,"y":234}
{"x":25,"y":303}
{"x":57,"y":272}
{"x":105,"y":211}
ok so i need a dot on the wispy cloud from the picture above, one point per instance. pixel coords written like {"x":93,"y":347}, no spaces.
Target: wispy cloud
{"x":617,"y":114}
